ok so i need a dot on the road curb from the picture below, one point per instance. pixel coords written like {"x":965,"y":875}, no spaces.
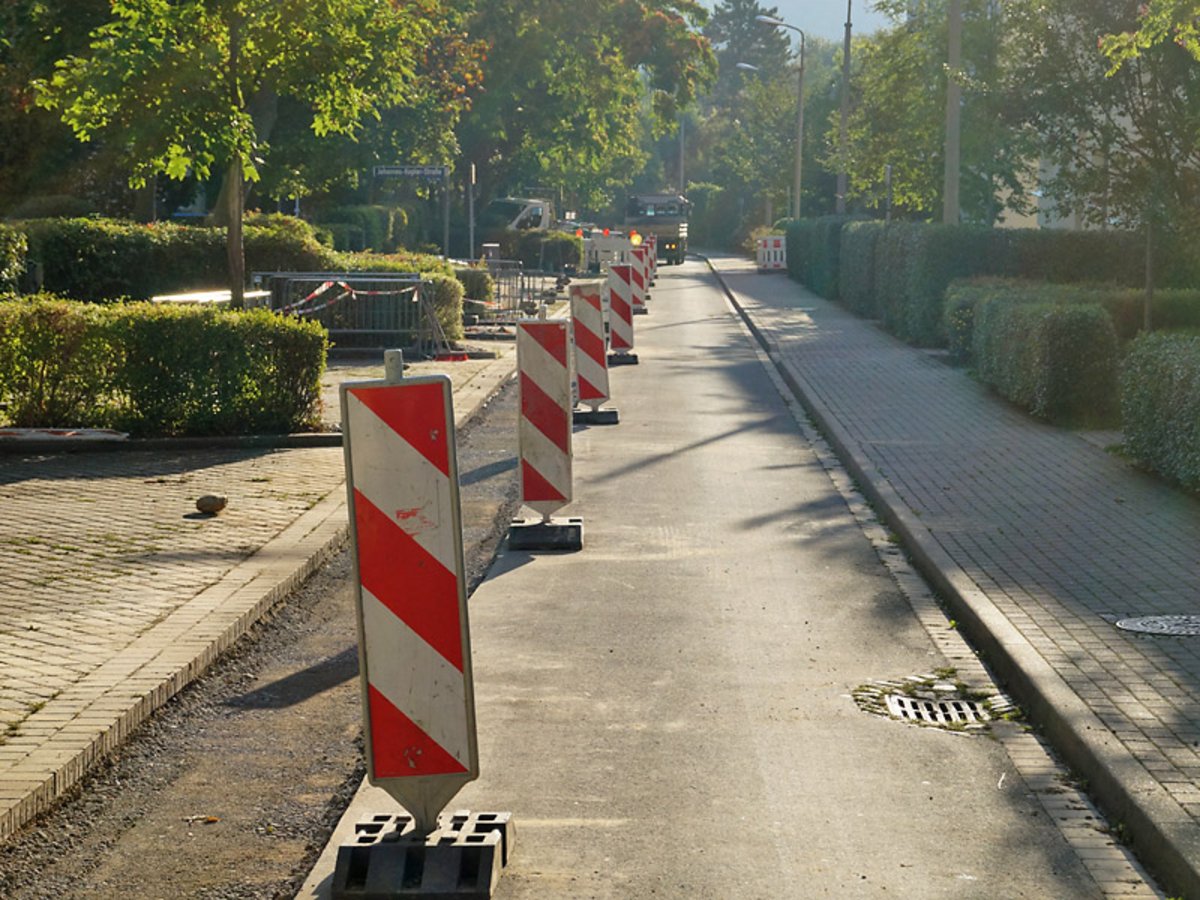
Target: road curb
{"x":1158,"y":829}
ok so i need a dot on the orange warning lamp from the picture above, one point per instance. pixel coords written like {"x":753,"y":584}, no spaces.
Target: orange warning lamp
{"x":606,"y":232}
{"x":635,"y":238}
{"x":578,"y":232}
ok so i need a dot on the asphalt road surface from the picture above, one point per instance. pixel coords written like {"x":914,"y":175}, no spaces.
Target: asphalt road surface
{"x":669,"y":712}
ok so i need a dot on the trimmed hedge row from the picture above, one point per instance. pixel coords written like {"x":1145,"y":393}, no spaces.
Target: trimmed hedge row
{"x":1160,"y":405}
{"x":105,"y":260}
{"x":1173,"y":309}
{"x":1059,"y":361}
{"x":366,"y":227}
{"x":900,"y":271}
{"x":87,"y":259}
{"x":813,"y":250}
{"x":158,"y":370}
{"x":13,"y":245}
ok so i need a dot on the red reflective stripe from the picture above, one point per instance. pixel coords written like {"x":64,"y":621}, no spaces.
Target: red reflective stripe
{"x":621,"y":272}
{"x":400,"y":748}
{"x":534,"y":487}
{"x":543,"y":413}
{"x":418,"y":589}
{"x":418,"y":414}
{"x":589,"y":342}
{"x":620,"y":307}
{"x":593,"y":300}
{"x":551,"y":336}
{"x":588,"y":391}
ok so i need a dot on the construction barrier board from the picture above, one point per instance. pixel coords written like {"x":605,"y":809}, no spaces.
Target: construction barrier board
{"x":620,"y":293}
{"x":544,"y":429}
{"x":591,"y":356}
{"x":410,"y":596}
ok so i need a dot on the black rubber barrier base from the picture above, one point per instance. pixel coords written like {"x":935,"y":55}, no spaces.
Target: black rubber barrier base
{"x":565,"y":535}
{"x":596,"y":417}
{"x":461,"y":860}
{"x":641,"y":310}
{"x":622,"y":359}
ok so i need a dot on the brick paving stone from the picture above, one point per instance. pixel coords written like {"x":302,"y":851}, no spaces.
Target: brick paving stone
{"x":1060,"y":535}
{"x":117,"y":591}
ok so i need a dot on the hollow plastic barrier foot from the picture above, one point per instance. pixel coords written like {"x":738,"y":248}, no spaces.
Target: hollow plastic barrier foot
{"x":556,"y":534}
{"x":622,"y":359}
{"x":461,"y":860}
{"x":596,"y":417}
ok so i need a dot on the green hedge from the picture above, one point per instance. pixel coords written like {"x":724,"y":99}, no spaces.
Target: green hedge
{"x":477,"y":283}
{"x":13,"y":245}
{"x":856,"y":273}
{"x":1172,"y":309}
{"x":105,"y":259}
{"x":371,"y":227}
{"x":158,"y":370}
{"x":1058,"y":361}
{"x":57,"y":361}
{"x":814,"y":252}
{"x":1160,"y":405}
{"x":546,"y":251}
{"x":447,"y":304}
{"x":911,"y":265}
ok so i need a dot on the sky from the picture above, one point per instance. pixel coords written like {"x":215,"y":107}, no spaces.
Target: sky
{"x":826,"y":18}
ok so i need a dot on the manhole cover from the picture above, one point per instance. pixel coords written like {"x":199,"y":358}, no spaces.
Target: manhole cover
{"x":952,"y":711}
{"x":1173,"y":625}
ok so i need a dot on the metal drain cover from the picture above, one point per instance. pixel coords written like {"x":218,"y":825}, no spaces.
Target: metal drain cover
{"x":951,"y":711}
{"x":1170,"y":625}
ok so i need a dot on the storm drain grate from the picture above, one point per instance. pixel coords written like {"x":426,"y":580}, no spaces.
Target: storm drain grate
{"x":1182,"y":626}
{"x":952,"y":711}
{"x":936,"y":700}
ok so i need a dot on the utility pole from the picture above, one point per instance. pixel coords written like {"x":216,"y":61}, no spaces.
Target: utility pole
{"x":842,"y":179}
{"x":950,"y":208}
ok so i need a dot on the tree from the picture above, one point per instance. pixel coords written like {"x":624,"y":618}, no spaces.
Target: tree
{"x":187,"y":85}
{"x":1158,"y":21}
{"x":570,"y":88}
{"x":1122,"y":144}
{"x":39,"y":154}
{"x":899,"y":84}
{"x":738,"y":37}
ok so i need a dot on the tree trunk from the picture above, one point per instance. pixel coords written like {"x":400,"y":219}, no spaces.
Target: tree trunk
{"x":233,"y":241}
{"x":145,"y":205}
{"x":1147,"y":318}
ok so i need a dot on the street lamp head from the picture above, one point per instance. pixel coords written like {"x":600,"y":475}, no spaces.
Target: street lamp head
{"x":770,"y":20}
{"x":745,"y":67}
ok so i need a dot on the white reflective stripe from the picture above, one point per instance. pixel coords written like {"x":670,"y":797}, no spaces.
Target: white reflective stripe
{"x":544,"y":370}
{"x":544,"y":455}
{"x":434,"y":692}
{"x":402,"y":483}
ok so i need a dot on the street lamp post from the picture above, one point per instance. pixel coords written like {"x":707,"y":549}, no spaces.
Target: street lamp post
{"x":842,"y":180}
{"x":779,"y":23}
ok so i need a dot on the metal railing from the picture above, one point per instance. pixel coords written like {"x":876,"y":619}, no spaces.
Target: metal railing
{"x":357,"y":310}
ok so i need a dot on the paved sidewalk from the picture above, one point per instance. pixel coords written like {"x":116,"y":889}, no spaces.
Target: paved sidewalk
{"x":1039,"y":540}
{"x":117,"y":593}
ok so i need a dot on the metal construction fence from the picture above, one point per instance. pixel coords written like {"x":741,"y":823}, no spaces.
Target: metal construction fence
{"x":358,"y":310}
{"x":519,"y":291}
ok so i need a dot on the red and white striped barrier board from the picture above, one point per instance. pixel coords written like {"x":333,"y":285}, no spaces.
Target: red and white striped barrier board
{"x":544,"y":368}
{"x":591,"y":355}
{"x":620,"y":298}
{"x":772,"y":253}
{"x":639,"y":280}
{"x":413,"y":635}
{"x":652,"y":256}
